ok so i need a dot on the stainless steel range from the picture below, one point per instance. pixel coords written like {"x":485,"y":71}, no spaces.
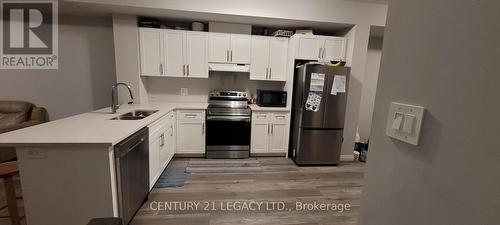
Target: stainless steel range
{"x":228,"y":125}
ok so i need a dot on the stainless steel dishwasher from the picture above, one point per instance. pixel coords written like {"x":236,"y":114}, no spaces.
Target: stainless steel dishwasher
{"x":132,"y":168}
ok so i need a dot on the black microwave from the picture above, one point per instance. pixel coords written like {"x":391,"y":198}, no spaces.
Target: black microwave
{"x":270,"y":98}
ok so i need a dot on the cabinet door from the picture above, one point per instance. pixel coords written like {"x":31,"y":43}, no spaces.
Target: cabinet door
{"x":278,"y":138}
{"x":219,"y":45}
{"x":278,"y":49}
{"x":190,"y":136}
{"x":150,"y":46}
{"x":308,"y":48}
{"x":154,"y":161}
{"x":334,"y":49}
{"x":260,"y":58}
{"x":171,"y":140}
{"x":197,"y":54}
{"x":174,"y":42}
{"x":164,"y":151}
{"x":240,"y":48}
{"x":260,"y":137}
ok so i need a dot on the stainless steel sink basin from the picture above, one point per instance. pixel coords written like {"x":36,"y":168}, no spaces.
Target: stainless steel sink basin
{"x":135,"y":115}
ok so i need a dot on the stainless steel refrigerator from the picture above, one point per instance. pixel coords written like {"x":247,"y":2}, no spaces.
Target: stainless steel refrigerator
{"x":318,"y":111}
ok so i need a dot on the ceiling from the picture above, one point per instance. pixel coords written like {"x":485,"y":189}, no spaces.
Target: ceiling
{"x":83,"y":9}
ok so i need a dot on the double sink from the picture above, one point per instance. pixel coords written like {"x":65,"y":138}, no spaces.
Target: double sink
{"x":135,"y":115}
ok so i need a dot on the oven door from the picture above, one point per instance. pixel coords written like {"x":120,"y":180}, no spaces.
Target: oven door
{"x":228,"y":136}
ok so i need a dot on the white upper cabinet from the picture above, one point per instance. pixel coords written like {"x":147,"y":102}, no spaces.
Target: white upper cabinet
{"x":196,"y":54}
{"x":173,"y":53}
{"x":315,"y":47}
{"x":259,"y":64}
{"x":229,"y":48}
{"x":240,"y":49}
{"x":151,"y":50}
{"x":334,"y":48}
{"x":308,"y":48}
{"x":269,"y":56}
{"x":219,"y":46}
{"x":278,"y":49}
{"x":174,"y":59}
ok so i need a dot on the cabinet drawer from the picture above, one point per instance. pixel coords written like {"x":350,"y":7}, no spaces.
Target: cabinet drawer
{"x":191,"y":115}
{"x":260,"y":116}
{"x":158,"y":125}
{"x":280,"y":117}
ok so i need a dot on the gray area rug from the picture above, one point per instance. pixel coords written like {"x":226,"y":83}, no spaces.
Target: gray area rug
{"x":173,"y":176}
{"x":223,"y":166}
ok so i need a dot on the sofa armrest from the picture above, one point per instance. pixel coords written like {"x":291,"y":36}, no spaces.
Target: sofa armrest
{"x":39,"y":114}
{"x":20,"y":126}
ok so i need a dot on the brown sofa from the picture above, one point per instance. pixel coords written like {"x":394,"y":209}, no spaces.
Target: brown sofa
{"x":15,"y":115}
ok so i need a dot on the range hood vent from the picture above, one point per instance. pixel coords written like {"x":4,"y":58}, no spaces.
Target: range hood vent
{"x":229,"y":67}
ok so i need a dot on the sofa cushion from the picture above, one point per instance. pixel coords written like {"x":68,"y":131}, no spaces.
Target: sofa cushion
{"x":13,"y":112}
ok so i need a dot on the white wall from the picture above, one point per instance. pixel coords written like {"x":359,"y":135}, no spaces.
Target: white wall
{"x":357,"y":44}
{"x":86,"y":71}
{"x":168,"y":89}
{"x":369,"y":87}
{"x":442,"y":55}
{"x":126,"y":40}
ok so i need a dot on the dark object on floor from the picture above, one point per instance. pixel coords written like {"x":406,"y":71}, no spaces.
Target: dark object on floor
{"x":7,"y":171}
{"x":105,"y":221}
{"x":173,"y":176}
{"x":16,"y":115}
{"x":363,"y":155}
{"x":223,"y":166}
{"x":362,"y":148}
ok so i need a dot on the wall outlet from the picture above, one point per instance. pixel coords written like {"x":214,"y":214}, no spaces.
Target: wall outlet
{"x":184,"y":91}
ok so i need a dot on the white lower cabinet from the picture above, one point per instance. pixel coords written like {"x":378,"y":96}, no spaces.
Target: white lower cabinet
{"x":269,"y":132}
{"x":161,"y":146}
{"x":190,"y":132}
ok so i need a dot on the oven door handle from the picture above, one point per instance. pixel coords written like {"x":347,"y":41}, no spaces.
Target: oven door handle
{"x":229,"y":118}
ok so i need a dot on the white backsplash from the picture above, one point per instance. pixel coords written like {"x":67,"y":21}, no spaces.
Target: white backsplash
{"x":169,"y":89}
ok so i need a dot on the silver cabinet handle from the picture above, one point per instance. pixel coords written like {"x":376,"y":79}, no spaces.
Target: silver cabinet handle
{"x":324,"y":53}
{"x":203,"y":128}
{"x":172,"y":130}
{"x":162,"y":140}
{"x":190,"y":116}
{"x":187,"y":70}
{"x":270,"y":73}
{"x":272,"y":129}
{"x":227,"y":55}
{"x":161,"y":69}
{"x":231,"y":55}
{"x":184,"y":69}
{"x":267,"y":72}
{"x":268,"y":129}
{"x":319,"y":53}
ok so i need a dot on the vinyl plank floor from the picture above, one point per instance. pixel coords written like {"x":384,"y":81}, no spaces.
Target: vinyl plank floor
{"x":279,"y":181}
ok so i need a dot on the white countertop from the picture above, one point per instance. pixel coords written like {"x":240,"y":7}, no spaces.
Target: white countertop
{"x":270,"y":109}
{"x":93,"y":128}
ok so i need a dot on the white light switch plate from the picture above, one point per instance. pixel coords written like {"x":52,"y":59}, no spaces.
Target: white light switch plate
{"x":409,"y":132}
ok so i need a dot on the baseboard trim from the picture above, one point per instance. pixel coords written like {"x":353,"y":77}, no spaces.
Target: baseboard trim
{"x":347,"y":158}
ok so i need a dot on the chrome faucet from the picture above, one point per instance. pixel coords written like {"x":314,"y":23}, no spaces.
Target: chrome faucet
{"x":114,"y":96}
